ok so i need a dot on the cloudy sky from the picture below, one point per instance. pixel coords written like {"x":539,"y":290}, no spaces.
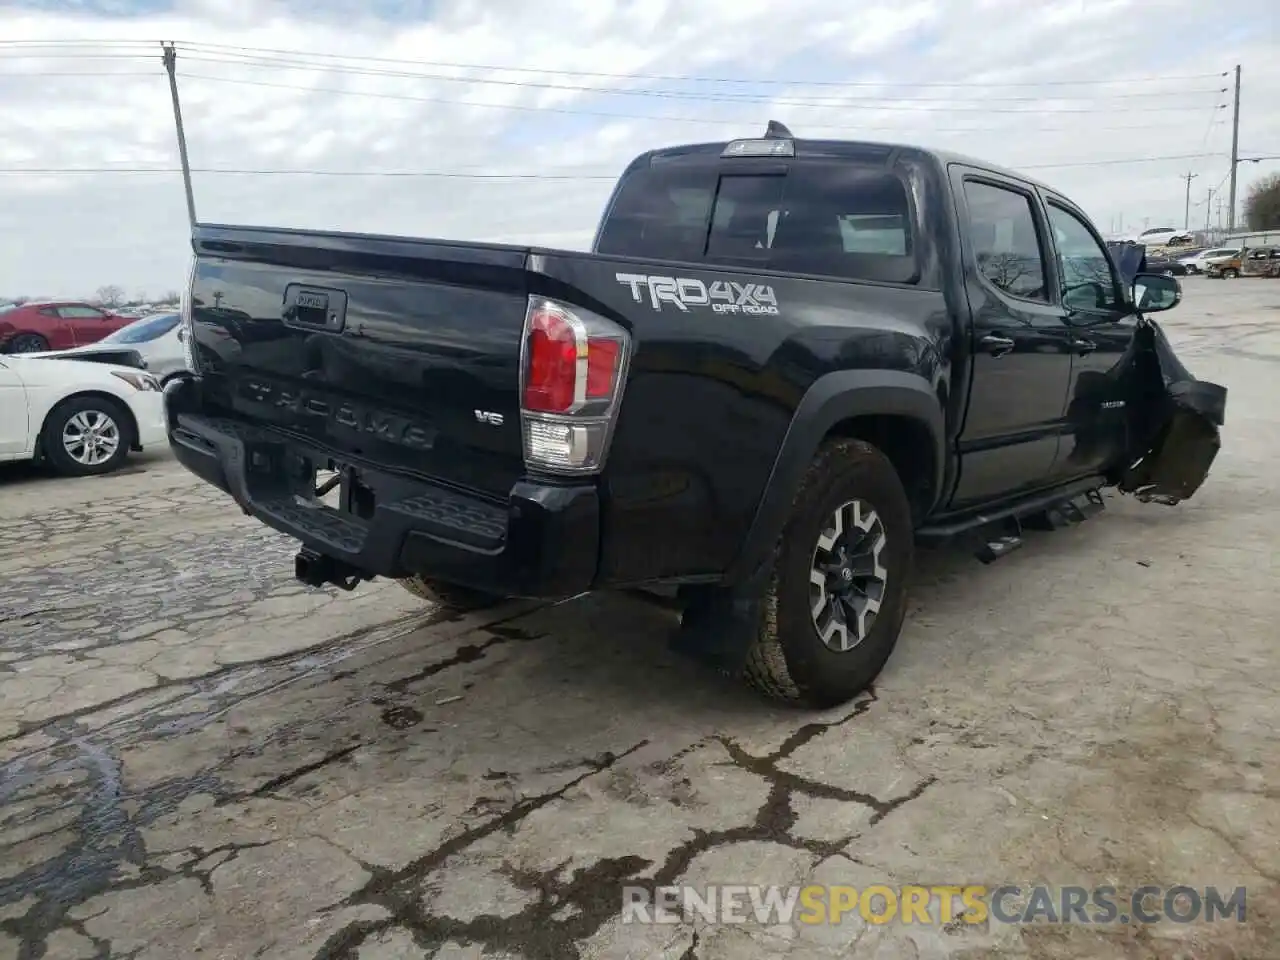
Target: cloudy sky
{"x":497,"y":120}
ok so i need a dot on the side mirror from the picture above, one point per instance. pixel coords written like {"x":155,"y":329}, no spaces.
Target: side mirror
{"x":1153,"y":292}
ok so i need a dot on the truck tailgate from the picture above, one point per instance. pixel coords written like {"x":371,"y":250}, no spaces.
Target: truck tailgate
{"x":396,"y":351}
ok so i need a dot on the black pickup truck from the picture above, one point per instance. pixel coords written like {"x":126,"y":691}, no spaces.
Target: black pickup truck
{"x":784,"y":365}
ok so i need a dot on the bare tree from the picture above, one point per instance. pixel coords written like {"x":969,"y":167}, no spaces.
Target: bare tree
{"x":171,"y":296}
{"x":110,"y":295}
{"x":1262,"y":205}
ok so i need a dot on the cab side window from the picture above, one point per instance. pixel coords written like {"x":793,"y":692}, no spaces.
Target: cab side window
{"x":1006,"y":243}
{"x":1088,"y":280}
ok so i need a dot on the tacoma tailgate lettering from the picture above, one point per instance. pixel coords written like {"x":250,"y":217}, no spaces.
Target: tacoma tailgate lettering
{"x":310,"y":406}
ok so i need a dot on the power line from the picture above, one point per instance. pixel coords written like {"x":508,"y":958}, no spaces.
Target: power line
{"x":573,"y":111}
{"x":613,"y":115}
{"x":460,"y":175}
{"x":679,"y":78}
{"x":1213,"y":117}
{"x":196,"y":46}
{"x":237,"y":56}
{"x":927,"y":104}
{"x":9,"y":55}
{"x":453,"y":175}
{"x":74,"y":44}
{"x":940,"y":102}
{"x":1114,"y":162}
{"x":14,"y":74}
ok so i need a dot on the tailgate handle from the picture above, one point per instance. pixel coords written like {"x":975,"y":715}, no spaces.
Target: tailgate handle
{"x":314,"y":308}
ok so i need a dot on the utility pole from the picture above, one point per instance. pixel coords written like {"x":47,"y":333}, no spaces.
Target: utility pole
{"x":171,"y":66}
{"x":1235,"y":155}
{"x":1208,"y":209}
{"x":1186,"y":208}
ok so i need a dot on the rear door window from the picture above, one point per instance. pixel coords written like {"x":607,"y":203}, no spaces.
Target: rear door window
{"x":1006,"y":244}
{"x":80,"y":313}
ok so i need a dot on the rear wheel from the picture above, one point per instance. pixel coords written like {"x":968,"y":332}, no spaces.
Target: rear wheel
{"x":837,"y":595}
{"x":1230,"y":274}
{"x":448,"y":595}
{"x":84,"y":436}
{"x":28,"y":343}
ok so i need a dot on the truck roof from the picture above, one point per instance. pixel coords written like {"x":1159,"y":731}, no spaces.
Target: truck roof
{"x":845,"y":149}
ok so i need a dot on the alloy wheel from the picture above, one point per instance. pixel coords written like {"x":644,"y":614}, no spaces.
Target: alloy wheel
{"x":91,"y":437}
{"x":846,"y":576}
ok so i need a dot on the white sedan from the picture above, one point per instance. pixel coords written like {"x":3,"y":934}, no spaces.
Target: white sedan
{"x":157,"y":338}
{"x":80,"y":417}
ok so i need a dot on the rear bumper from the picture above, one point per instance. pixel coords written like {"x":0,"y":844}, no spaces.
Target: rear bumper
{"x":542,"y":543}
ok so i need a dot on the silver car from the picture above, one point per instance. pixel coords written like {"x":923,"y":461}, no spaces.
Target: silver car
{"x":1199,"y":262}
{"x":155,"y":337}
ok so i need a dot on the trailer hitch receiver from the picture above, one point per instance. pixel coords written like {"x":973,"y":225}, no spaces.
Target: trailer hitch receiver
{"x":319,"y":570}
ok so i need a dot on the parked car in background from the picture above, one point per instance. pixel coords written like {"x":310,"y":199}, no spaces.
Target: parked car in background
{"x":55,"y":325}
{"x":1199,"y":261}
{"x":1161,"y":263}
{"x":157,"y":340}
{"x":81,"y":418}
{"x":1261,"y":262}
{"x":1224,"y":268}
{"x":1164,"y":237}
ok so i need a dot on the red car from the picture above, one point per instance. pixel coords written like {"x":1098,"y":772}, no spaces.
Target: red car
{"x":54,"y":325}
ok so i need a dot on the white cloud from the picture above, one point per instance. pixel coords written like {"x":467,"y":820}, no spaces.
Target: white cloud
{"x":247,"y":109}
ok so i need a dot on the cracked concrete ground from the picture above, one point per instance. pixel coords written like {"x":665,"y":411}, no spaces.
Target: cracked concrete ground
{"x":200,"y":757}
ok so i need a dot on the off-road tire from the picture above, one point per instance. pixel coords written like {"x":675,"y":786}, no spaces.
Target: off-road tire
{"x":1230,"y":274}
{"x":51,"y":435}
{"x":789,"y":660}
{"x":449,"y":595}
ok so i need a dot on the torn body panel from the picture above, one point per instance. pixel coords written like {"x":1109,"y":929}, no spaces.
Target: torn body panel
{"x":1174,"y":421}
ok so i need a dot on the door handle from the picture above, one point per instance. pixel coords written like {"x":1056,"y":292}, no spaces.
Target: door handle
{"x":1083,"y":347}
{"x":996,"y":345}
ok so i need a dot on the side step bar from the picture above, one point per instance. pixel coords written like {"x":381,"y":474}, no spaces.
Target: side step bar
{"x":999,"y":533}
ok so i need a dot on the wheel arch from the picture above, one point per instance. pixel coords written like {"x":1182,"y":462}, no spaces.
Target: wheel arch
{"x":130,"y":420}
{"x":14,"y":333}
{"x":899,"y":413}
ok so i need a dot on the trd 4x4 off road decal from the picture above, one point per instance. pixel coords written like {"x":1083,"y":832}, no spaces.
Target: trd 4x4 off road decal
{"x":722,"y":296}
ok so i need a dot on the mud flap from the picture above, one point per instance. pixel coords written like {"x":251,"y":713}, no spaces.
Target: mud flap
{"x":1175,"y":422}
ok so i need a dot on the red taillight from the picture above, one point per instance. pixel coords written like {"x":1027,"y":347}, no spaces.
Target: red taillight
{"x":558,"y":343}
{"x":602,"y":367}
{"x":575,"y":365}
{"x":551,"y":377}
